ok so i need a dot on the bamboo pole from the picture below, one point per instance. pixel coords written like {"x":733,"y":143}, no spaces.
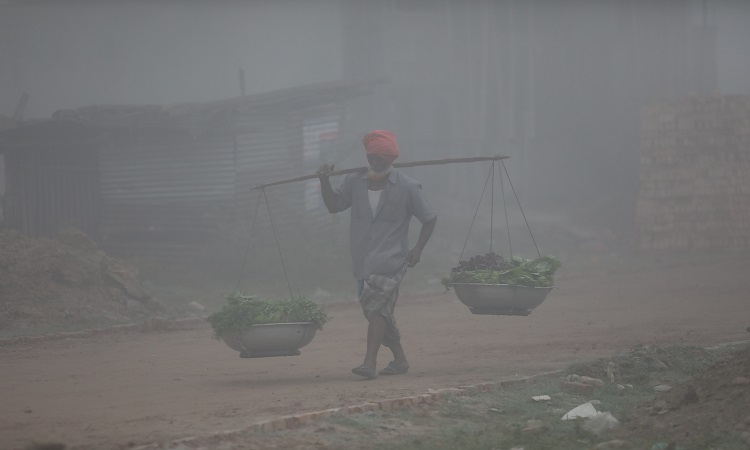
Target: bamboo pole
{"x":431,"y":162}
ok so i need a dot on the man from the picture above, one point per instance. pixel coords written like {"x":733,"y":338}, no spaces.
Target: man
{"x":382,"y":202}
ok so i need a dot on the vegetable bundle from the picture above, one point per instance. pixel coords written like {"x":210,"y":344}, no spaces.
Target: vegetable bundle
{"x":242,"y":311}
{"x":494,"y":269}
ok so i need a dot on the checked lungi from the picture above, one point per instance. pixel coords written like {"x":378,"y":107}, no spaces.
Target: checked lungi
{"x":379,"y":297}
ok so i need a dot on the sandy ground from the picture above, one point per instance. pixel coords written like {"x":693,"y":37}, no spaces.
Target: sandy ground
{"x":126,"y":389}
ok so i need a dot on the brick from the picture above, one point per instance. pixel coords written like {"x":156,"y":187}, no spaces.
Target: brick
{"x":425,"y":399}
{"x":362,"y":408}
{"x":447,"y":392}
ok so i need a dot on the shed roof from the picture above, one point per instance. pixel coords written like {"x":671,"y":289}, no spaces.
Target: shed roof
{"x":84,"y":122}
{"x":204,"y":112}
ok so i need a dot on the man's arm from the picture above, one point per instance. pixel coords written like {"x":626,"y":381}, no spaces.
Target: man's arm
{"x":424,"y":235}
{"x":329,"y":197}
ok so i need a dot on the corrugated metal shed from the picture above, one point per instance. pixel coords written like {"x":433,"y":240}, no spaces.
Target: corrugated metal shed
{"x":52,"y":181}
{"x":164,"y":196}
{"x":167,"y":180}
{"x":276,"y":148}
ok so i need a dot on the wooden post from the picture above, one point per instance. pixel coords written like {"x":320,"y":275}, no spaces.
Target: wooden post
{"x":20,"y":108}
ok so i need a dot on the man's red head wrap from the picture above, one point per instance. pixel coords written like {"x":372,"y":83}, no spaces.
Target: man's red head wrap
{"x":381,"y":143}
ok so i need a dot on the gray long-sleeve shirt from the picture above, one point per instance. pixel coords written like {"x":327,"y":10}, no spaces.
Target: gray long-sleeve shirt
{"x":379,"y":244}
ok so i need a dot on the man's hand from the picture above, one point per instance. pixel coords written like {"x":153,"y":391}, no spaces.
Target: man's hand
{"x":329,"y":197}
{"x":325,"y":170}
{"x":424,"y":235}
{"x":414,"y":256}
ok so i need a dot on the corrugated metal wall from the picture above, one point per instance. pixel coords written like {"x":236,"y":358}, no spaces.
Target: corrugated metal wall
{"x":321,"y":143}
{"x":180,"y":187}
{"x":267,"y":150}
{"x":165,"y":195}
{"x":272,"y":148}
{"x":51,"y":187}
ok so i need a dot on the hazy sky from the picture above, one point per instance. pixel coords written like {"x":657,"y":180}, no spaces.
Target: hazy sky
{"x":162,"y":52}
{"x":80,"y":54}
{"x":733,"y":19}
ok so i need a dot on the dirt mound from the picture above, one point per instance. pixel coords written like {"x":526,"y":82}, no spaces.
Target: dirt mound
{"x":714,"y":402}
{"x":49,"y":284}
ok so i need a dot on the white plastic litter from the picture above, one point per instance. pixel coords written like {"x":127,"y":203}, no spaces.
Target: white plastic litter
{"x":601,"y":423}
{"x":540,"y":398}
{"x":586,"y":410}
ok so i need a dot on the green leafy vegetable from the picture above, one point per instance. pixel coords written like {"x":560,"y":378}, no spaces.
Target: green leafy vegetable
{"x":516,"y":271}
{"x":242,"y":311}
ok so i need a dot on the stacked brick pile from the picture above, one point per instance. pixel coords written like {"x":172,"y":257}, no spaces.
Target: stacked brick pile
{"x":694,"y":191}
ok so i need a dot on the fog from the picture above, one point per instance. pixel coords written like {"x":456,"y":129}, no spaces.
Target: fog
{"x":70,"y":54}
{"x":558,"y":86}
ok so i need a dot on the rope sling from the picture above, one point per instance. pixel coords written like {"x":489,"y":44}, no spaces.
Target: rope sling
{"x":480,"y":298}
{"x":491,"y":177}
{"x":263,"y":196}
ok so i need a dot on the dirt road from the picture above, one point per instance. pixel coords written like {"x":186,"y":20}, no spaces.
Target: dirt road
{"x":120,"y":390}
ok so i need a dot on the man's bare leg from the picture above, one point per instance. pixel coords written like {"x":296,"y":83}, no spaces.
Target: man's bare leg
{"x":375,"y":333}
{"x":398,"y":355}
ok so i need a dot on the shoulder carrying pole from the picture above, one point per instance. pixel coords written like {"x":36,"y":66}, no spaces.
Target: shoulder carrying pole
{"x":432,"y":162}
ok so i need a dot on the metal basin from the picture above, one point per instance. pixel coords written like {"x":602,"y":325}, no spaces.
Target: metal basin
{"x":273,"y":339}
{"x":500,"y":299}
